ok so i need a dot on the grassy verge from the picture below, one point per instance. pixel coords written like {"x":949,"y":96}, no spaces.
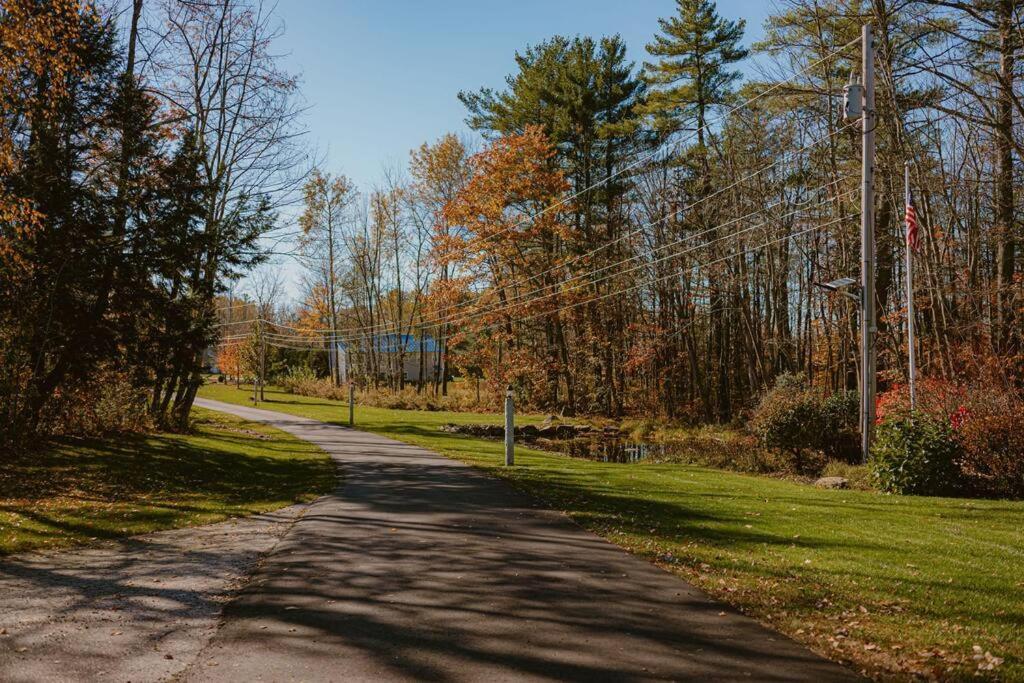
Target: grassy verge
{"x":898,"y":586}
{"x":83,"y":490}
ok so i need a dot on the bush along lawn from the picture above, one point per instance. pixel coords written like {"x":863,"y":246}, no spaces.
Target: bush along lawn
{"x":81,"y":490}
{"x":897,"y":586}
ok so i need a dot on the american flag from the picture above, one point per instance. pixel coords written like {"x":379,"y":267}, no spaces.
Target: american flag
{"x":913,"y":234}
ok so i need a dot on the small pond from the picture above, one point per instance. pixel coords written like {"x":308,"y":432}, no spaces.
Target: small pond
{"x":576,"y":441}
{"x":606,"y":450}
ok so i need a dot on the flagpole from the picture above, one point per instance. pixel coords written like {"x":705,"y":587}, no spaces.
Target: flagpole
{"x":910,"y":298}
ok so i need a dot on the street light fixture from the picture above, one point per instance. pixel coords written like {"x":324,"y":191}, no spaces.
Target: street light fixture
{"x":846,"y":286}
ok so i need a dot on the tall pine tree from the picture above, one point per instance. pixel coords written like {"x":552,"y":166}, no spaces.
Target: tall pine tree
{"x":584,"y":93}
{"x":696,"y":49}
{"x":692,"y":74}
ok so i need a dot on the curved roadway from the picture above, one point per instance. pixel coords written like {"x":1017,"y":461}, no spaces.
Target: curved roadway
{"x":422,"y":568}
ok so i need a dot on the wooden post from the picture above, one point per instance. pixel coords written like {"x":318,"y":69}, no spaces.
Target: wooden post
{"x":256,"y":374}
{"x":263,"y":363}
{"x":510,"y":426}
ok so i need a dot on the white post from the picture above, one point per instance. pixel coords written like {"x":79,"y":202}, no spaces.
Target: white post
{"x":911,"y":355}
{"x":510,"y":444}
{"x":869,"y":328}
{"x":351,"y":404}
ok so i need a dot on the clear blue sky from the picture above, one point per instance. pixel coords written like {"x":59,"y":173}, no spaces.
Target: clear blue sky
{"x":381,"y":76}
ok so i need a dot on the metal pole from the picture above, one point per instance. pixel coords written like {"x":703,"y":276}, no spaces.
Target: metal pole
{"x":510,"y":444}
{"x":351,"y":404}
{"x":911,"y":355}
{"x":868,"y":328}
{"x":263,"y":364}
{"x":256,"y":373}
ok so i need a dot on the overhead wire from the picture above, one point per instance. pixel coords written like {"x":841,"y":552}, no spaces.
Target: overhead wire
{"x":643,"y":159}
{"x":651,"y":155}
{"x":351,"y":334}
{"x":646,"y":283}
{"x":448,"y":318}
{"x":348,"y":337}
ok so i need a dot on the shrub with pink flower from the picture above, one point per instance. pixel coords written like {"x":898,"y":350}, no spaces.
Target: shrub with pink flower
{"x":983,"y":422}
{"x":941,"y":400}
{"x":959,"y":418}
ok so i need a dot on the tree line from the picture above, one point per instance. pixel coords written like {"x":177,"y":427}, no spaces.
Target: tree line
{"x":627,"y":238}
{"x":647,"y":238}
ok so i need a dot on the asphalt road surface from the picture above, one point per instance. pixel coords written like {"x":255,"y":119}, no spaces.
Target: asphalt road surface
{"x":421,"y":568}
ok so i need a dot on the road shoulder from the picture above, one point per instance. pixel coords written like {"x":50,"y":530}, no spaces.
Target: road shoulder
{"x":140,"y":609}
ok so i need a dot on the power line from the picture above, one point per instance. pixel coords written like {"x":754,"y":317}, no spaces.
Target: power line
{"x":446,"y":318}
{"x":637,"y":286}
{"x":679,"y":143}
{"x":350,"y":337}
{"x":604,"y":268}
{"x":645,"y":264}
{"x":673,"y":214}
{"x":524,"y":297}
{"x":352,"y":334}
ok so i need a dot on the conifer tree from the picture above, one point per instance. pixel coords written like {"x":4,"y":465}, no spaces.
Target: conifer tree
{"x":692,"y":75}
{"x":584,"y":93}
{"x":695,"y":50}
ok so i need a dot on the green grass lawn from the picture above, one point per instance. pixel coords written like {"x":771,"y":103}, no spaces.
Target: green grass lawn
{"x":87,"y":489}
{"x":896,"y":585}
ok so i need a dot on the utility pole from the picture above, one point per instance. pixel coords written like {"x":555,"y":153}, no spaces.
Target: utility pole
{"x":263,"y":363}
{"x":868,"y":326}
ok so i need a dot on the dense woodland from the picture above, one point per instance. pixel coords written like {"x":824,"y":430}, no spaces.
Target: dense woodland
{"x":145,"y":147}
{"x":645,"y":238}
{"x":614,"y":237}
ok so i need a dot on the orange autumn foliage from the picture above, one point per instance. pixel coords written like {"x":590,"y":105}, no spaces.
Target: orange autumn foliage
{"x":510,"y":223}
{"x":230,"y":360}
{"x":39,"y":41}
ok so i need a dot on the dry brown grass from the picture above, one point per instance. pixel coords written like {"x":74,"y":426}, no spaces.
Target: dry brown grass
{"x":462,"y":395}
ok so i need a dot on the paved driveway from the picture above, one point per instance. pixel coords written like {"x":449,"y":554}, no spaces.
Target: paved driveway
{"x":422,"y":568}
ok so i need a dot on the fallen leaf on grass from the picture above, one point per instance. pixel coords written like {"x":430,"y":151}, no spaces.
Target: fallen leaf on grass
{"x":985,"y":659}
